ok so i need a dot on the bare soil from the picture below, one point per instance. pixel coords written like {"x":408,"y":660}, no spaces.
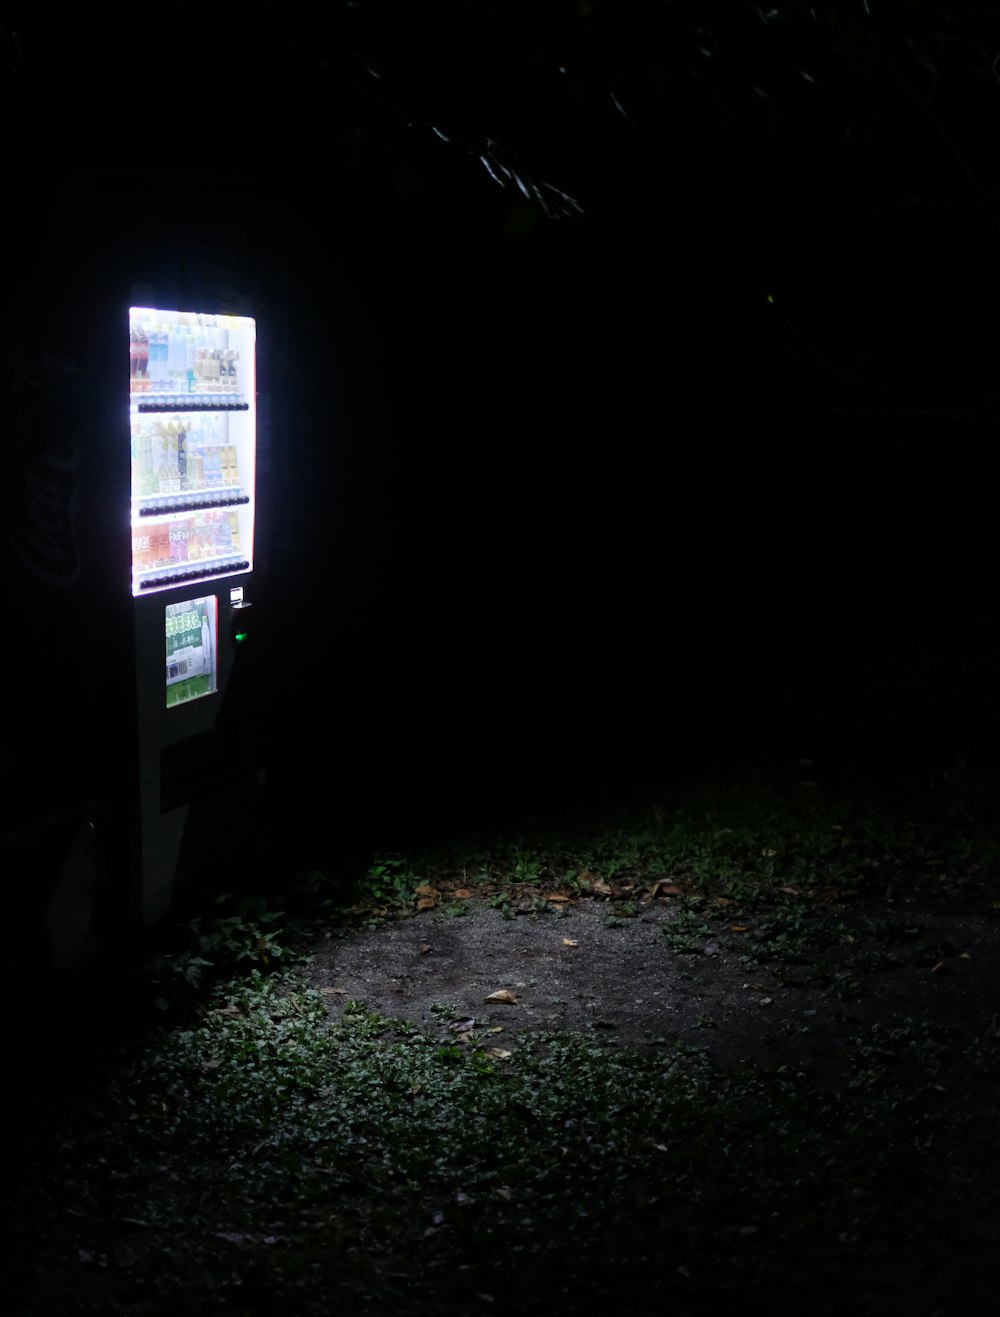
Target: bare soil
{"x":577,"y":967}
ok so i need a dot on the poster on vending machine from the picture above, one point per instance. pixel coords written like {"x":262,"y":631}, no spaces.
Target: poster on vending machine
{"x":191,"y":628}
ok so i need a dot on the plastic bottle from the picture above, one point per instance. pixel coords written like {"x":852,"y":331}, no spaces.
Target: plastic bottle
{"x":147,"y":476}
{"x":142,"y":360}
{"x":158,"y":441}
{"x":190,"y":369}
{"x":159,"y":369}
{"x":133,"y":357}
{"x":206,"y":645}
{"x":182,"y":453}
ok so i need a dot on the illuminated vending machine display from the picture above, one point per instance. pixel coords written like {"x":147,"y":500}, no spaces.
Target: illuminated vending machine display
{"x":192,"y":394}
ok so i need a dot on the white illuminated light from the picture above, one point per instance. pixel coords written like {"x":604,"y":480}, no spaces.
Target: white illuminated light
{"x":193,"y":446}
{"x":236,"y":594}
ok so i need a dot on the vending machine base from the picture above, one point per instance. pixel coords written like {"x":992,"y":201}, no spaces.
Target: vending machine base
{"x":203,"y":794}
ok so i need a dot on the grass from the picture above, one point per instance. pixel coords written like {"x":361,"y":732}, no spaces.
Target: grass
{"x":244,"y":1154}
{"x":264,"y":1157}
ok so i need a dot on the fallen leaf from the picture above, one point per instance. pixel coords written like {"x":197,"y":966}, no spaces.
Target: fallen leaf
{"x":426,"y":903}
{"x":497,"y":1028}
{"x":939,"y":965}
{"x":766,"y":1001}
{"x":662,"y":888}
{"x":768,"y":852}
{"x":555,"y":896}
{"x":568,"y":942}
{"x":425,"y":889}
{"x":792,"y":891}
{"x":462,"y":1026}
{"x":593,"y":883}
{"x":503,"y":995}
{"x":661,"y":1147}
{"x":722,"y":900}
{"x":462,"y":893}
{"x":737,"y":928}
{"x":330,"y":991}
{"x":964,"y":955}
{"x":499,"y":1053}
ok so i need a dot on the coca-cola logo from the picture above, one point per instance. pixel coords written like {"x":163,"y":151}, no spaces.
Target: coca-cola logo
{"x":42,"y":520}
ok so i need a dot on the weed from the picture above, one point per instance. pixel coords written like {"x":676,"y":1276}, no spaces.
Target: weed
{"x":444,"y":1010}
{"x":686,"y":930}
{"x":388,"y":882}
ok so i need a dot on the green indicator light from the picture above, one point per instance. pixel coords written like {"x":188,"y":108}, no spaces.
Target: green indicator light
{"x":240,"y":637}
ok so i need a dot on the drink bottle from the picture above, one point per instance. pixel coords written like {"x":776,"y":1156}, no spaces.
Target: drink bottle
{"x":182,"y":453}
{"x":142,"y":360}
{"x":158,"y":356}
{"x":206,"y":645}
{"x":133,"y":357}
{"x":158,"y":441}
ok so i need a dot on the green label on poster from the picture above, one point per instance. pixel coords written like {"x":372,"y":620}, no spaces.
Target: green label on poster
{"x":190,"y":635}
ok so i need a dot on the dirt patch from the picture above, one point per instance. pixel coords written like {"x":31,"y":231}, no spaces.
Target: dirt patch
{"x":580,"y":968}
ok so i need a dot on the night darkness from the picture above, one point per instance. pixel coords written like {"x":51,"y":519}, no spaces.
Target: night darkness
{"x":632,"y":392}
{"x":627,"y":431}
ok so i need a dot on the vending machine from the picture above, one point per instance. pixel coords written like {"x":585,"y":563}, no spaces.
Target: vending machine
{"x":192,"y":411}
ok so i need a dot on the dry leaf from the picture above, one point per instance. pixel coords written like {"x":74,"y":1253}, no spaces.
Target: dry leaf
{"x":792,"y":891}
{"x":964,"y":955}
{"x":663,"y":888}
{"x":425,"y":889}
{"x":556,"y":896}
{"x":599,"y":886}
{"x":497,"y":1028}
{"x":426,"y":903}
{"x":568,"y":942}
{"x":499,"y":1053}
{"x":503,"y":995}
{"x":737,"y":928}
{"x":462,"y":893}
{"x":462,"y":1026}
{"x":330,"y":991}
